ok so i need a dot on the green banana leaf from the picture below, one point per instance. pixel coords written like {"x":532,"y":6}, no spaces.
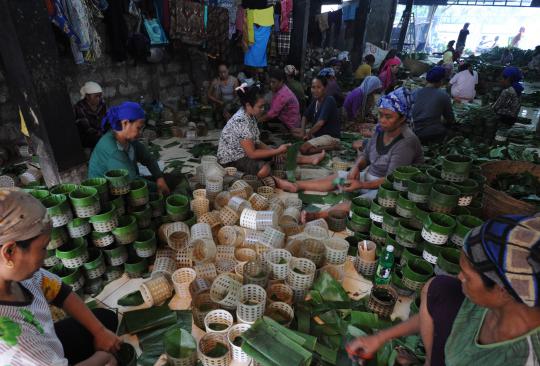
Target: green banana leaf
{"x":290,"y":162}
{"x":179,"y":343}
{"x":329,"y":288}
{"x":132,"y":299}
{"x":139,"y":320}
{"x":331,"y":198}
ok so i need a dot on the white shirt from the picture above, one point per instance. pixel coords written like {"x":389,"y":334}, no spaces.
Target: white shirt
{"x":463,"y":85}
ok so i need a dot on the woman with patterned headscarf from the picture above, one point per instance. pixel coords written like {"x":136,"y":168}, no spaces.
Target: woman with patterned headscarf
{"x":508,"y":104}
{"x":392,"y":145}
{"x":119,"y":148}
{"x":490,"y":313}
{"x":28,"y":335}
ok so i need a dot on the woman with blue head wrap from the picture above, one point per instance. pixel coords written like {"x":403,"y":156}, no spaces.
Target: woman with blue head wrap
{"x":432,"y":106}
{"x":508,"y":104}
{"x":392,"y":145}
{"x":487,"y":312}
{"x":118,"y":148}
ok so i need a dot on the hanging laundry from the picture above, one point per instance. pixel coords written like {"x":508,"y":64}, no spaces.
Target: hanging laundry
{"x":240,"y":18}
{"x":264,"y":17}
{"x":322,"y":20}
{"x":217,"y":34}
{"x":256,"y":54}
{"x":187,"y":22}
{"x":255,"y":4}
{"x":284,"y":39}
{"x":286,"y":13}
{"x":349,"y":12}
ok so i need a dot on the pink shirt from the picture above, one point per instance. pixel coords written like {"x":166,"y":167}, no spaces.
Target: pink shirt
{"x":285,"y":107}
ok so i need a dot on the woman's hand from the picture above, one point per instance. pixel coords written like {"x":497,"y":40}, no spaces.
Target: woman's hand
{"x":105,"y":340}
{"x":162,"y":186}
{"x":353,"y":173}
{"x":358,"y":144}
{"x":352,"y":185}
{"x":365,"y":346}
{"x":283,"y":148}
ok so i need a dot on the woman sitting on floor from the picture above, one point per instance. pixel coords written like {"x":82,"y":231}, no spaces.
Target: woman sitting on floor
{"x":119,"y":148}
{"x":361,"y":100}
{"x":323,"y":116}
{"x":239,"y":144}
{"x":28,"y":335}
{"x":490,"y":314}
{"x":508,"y":104}
{"x":221,"y":92}
{"x":393,"y":145}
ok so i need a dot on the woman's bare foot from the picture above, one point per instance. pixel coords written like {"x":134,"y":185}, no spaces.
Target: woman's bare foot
{"x":317,"y":158}
{"x":306,"y":216}
{"x":265,"y":171}
{"x":286,"y":185}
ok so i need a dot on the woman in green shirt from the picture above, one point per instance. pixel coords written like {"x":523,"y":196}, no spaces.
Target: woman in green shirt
{"x":119,"y":148}
{"x":490,"y":315}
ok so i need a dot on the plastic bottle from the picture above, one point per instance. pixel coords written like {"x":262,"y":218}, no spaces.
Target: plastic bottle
{"x":384,"y":267}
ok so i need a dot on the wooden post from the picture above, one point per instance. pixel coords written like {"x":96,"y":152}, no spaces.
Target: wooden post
{"x":360,"y":27}
{"x":36,"y":83}
{"x":405,"y":24}
{"x":297,"y":55}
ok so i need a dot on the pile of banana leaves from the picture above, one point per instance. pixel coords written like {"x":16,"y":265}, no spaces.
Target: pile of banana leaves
{"x":523,"y":186}
{"x":325,"y":324}
{"x":204,"y":148}
{"x":521,"y":57}
{"x":531,"y":100}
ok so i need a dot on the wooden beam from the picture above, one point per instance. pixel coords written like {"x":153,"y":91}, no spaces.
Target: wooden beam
{"x":37,"y":85}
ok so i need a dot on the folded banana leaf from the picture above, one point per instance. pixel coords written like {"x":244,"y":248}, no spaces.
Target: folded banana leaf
{"x":152,"y":341}
{"x":179,"y":343}
{"x":132,"y":299}
{"x":330,"y":199}
{"x":144,"y":319}
{"x":272,"y":344}
{"x":329,"y":289}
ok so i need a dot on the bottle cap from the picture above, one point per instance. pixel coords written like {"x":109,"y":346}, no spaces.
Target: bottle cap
{"x":390,"y":248}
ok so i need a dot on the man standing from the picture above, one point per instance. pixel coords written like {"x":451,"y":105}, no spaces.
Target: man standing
{"x":462,"y":38}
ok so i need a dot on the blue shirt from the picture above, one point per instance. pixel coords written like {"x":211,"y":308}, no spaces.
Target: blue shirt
{"x":326,"y":111}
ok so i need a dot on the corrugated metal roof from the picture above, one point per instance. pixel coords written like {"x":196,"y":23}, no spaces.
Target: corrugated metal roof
{"x":514,"y":3}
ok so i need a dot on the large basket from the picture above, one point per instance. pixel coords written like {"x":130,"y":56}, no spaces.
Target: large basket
{"x":279,"y":292}
{"x":156,"y":290}
{"x":496,"y":203}
{"x":225,"y":290}
{"x":232,"y":335}
{"x":252,"y":303}
{"x":206,"y":270}
{"x":281,"y":312}
{"x":177,"y":234}
{"x":258,"y":202}
{"x":336,"y":250}
{"x":218,"y":319}
{"x":206,"y":344}
{"x":181,"y":279}
{"x":301,"y":273}
{"x":204,"y":250}
{"x":277,"y":261}
{"x":255,"y":273}
{"x":382,"y":301}
{"x":201,"y":305}
{"x":313,"y":250}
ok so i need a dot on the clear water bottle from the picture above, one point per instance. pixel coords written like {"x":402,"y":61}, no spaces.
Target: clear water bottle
{"x":384,"y":267}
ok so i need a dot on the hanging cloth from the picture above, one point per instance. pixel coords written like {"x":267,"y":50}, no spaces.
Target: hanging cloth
{"x":250,"y":19}
{"x":264,"y":17}
{"x":187,"y":22}
{"x":286,"y":13}
{"x":256,"y":54}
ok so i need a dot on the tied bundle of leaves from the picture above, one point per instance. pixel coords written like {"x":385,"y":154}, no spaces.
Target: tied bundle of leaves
{"x":179,"y":343}
{"x":523,"y":186}
{"x":132,"y":299}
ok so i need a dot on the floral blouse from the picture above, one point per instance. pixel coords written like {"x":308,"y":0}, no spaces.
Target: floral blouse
{"x":508,"y":103}
{"x":240,"y":127}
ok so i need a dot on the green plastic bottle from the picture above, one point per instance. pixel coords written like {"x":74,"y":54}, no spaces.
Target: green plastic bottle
{"x":384,"y":267}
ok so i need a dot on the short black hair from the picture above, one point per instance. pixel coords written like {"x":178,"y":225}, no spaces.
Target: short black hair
{"x":277,"y":74}
{"x":369,"y":58}
{"x":224,"y":63}
{"x":24,"y":244}
{"x":250,"y":95}
{"x":322,"y":79}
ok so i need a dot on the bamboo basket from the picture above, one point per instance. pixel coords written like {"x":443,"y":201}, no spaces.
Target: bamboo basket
{"x":156,"y":290}
{"x":228,"y":216}
{"x":177,"y":234}
{"x":302,"y":280}
{"x":277,"y":261}
{"x":181,"y":279}
{"x":283,"y":309}
{"x":382,"y":300}
{"x":232,"y":334}
{"x":225,"y":290}
{"x":279,"y":292}
{"x":496,"y":203}
{"x":252,"y":303}
{"x":258,"y":202}
{"x":227,"y":235}
{"x":265,"y":191}
{"x":336,"y":250}
{"x":218,"y":316}
{"x":201,"y":231}
{"x":200,"y":206}
{"x":201,"y":305}
{"x":206,"y":344}
{"x":204,"y":250}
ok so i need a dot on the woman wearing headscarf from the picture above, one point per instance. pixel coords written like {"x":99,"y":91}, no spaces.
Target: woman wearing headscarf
{"x":295,"y":85}
{"x":120,"y":149}
{"x":359,"y":101}
{"x":332,"y":87}
{"x":393,"y":145}
{"x":89,"y":111}
{"x":388,"y":74}
{"x":432,"y":105}
{"x":490,"y":314}
{"x":508,"y":104}
{"x":28,"y":335}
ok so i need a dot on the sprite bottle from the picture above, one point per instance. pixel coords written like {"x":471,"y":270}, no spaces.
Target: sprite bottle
{"x":384,"y":267}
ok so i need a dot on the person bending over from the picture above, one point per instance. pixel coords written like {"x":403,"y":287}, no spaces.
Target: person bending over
{"x":239,"y":143}
{"x":490,"y":313}
{"x":393,"y":145}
